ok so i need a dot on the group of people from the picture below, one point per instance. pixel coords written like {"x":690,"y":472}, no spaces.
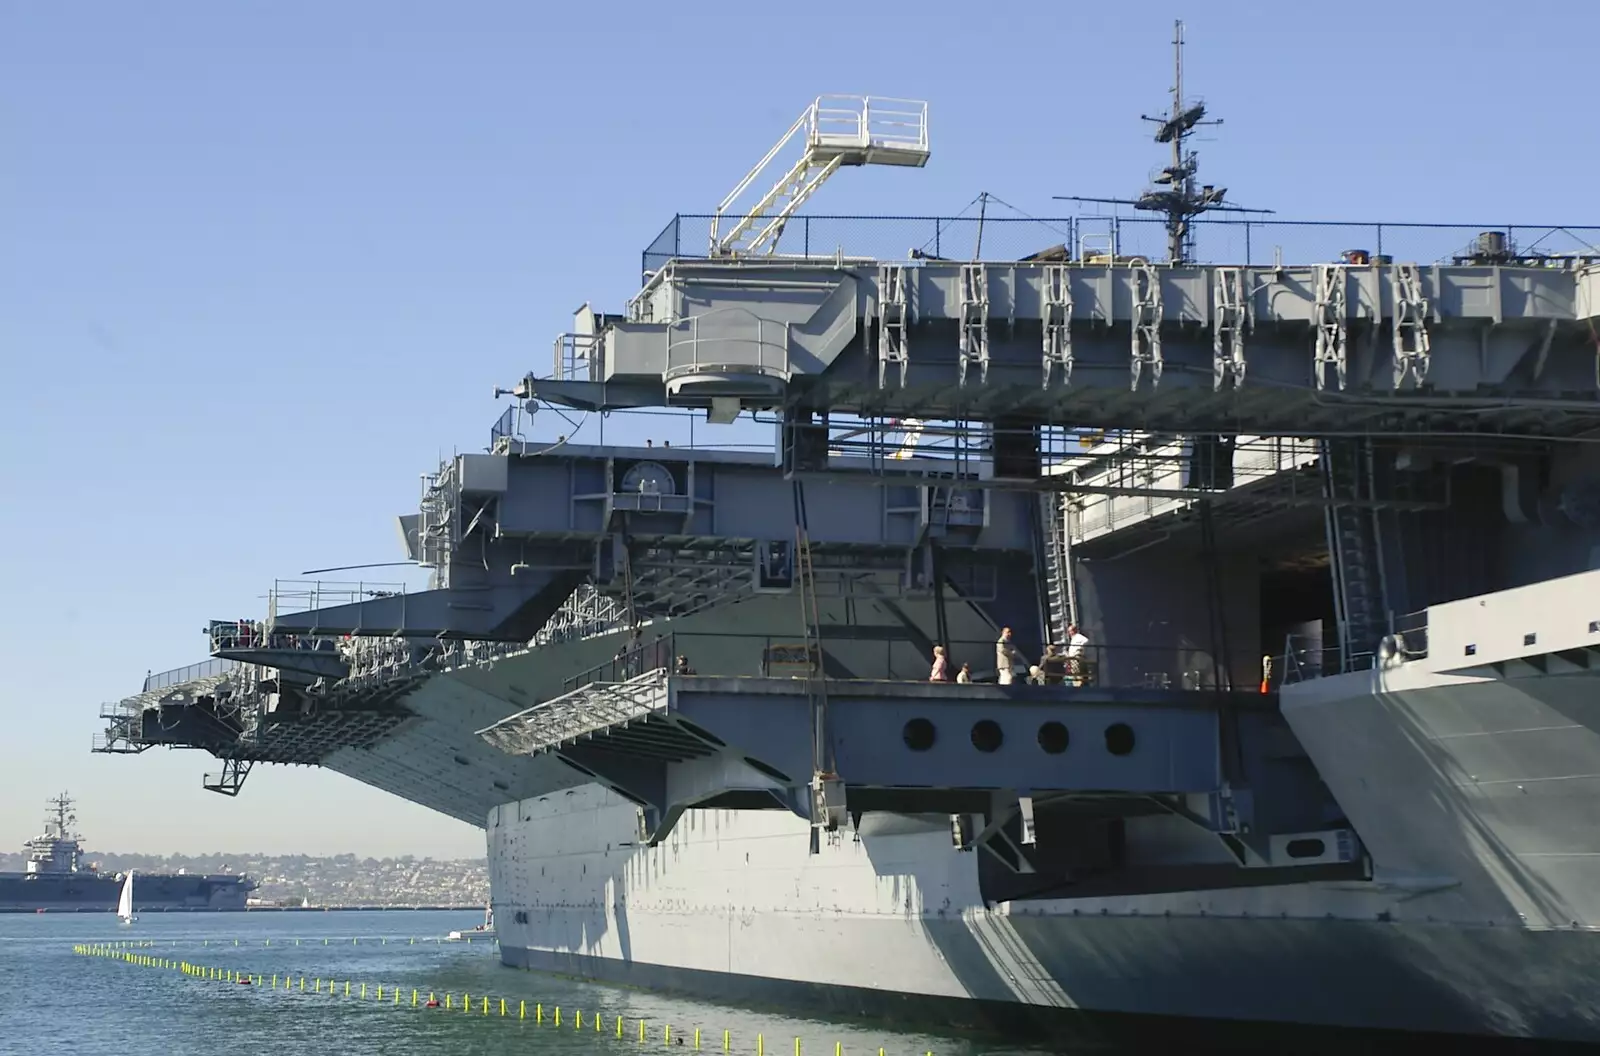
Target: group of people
{"x":1055,"y":668}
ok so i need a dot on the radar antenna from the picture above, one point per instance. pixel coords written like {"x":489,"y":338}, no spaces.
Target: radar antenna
{"x":1177,"y":195}
{"x":64,"y":818}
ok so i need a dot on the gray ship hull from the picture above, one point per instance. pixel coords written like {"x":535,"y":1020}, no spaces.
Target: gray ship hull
{"x":737,"y":909}
{"x":1472,"y":792}
{"x":83,"y":892}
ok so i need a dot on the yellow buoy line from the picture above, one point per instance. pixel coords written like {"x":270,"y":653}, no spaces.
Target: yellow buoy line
{"x":483,"y":1005}
{"x":352,"y":940}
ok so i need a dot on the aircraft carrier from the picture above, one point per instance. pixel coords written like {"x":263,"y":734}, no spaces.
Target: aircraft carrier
{"x":1324,"y":743}
{"x":55,"y":880}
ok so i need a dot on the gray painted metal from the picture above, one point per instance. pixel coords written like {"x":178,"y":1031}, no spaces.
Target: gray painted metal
{"x":512,"y":535}
{"x":670,"y":743}
{"x":1416,"y":343}
{"x":1174,"y":744}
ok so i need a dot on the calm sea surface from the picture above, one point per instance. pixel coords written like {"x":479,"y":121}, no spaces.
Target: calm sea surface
{"x":55,"y":1001}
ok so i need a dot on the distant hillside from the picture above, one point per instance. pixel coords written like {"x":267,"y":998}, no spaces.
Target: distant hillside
{"x":343,"y":879}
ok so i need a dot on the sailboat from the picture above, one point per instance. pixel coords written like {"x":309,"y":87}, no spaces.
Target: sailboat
{"x":125,"y":903}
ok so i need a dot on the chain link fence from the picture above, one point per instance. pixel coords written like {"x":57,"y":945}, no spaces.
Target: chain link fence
{"x":1246,"y":242}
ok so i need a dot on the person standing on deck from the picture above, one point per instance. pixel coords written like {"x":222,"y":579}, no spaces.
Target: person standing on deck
{"x":1076,"y":641}
{"x":1006,"y":657}
{"x":941,"y":666}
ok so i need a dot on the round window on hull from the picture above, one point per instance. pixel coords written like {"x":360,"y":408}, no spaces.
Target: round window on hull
{"x":1119,"y":738}
{"x":1053,"y":738}
{"x":919,"y":735}
{"x":987,"y":736}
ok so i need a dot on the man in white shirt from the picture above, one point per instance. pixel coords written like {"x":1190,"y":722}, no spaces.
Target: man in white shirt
{"x":1006,"y":657}
{"x":1076,"y":641}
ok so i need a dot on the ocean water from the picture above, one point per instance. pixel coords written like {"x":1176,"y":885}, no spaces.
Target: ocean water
{"x":54,"y":1000}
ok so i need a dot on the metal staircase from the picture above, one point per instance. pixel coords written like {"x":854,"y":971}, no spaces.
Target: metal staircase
{"x":835,"y":130}
{"x":1356,"y":561}
{"x":1057,"y":566}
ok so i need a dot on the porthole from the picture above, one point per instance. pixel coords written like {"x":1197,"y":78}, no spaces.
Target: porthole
{"x":919,"y":735}
{"x":1119,"y":738}
{"x":986,"y":735}
{"x":1307,"y":847}
{"x":1053,"y":738}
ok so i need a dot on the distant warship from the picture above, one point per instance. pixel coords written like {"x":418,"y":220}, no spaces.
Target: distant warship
{"x":56,"y":881}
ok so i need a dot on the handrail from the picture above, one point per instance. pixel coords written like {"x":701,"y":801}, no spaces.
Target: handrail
{"x":190,"y":673}
{"x":1128,"y":666}
{"x":871,"y":125}
{"x":579,"y":357}
{"x":677,"y":339}
{"x":1246,"y":242}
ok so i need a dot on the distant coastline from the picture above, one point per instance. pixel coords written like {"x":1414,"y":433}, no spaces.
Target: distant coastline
{"x":343,"y":880}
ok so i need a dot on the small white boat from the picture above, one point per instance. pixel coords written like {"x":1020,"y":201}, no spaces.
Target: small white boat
{"x":482,"y":931}
{"x":125,"y":903}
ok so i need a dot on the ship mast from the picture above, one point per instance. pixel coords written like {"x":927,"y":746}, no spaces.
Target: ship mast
{"x":1178,"y":196}
{"x":64,"y":817}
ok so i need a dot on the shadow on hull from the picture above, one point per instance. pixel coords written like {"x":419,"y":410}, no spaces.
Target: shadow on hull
{"x":1053,"y":1029}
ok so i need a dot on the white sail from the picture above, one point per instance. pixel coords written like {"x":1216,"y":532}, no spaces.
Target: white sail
{"x":125,"y":903}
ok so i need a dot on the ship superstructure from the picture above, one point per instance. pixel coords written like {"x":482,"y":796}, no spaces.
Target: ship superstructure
{"x":55,"y":850}
{"x":1326,"y":757}
{"x":55,"y":879}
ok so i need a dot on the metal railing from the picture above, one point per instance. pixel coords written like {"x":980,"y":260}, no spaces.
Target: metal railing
{"x":506,"y":428}
{"x":298,"y":596}
{"x":869,"y":121}
{"x":579,"y":357}
{"x":252,"y":634}
{"x":905,"y":660}
{"x":192,"y":673}
{"x":1014,"y":238}
{"x":685,"y":345}
{"x":1304,"y":658}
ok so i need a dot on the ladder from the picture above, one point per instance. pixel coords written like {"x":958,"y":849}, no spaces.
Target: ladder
{"x":1412,"y":347}
{"x":826,"y":789}
{"x":1353,"y":547}
{"x":630,"y":609}
{"x":1147,"y":311}
{"x":1057,"y":566}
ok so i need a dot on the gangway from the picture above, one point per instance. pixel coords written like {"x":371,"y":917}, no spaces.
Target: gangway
{"x":837,"y":130}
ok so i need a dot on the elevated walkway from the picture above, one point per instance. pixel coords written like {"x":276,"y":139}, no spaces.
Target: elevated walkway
{"x":834,"y":131}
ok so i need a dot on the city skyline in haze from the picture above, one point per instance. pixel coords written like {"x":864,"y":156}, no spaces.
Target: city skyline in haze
{"x":265,"y":263}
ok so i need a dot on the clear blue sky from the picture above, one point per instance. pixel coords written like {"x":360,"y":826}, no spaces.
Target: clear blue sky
{"x":262,"y":262}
